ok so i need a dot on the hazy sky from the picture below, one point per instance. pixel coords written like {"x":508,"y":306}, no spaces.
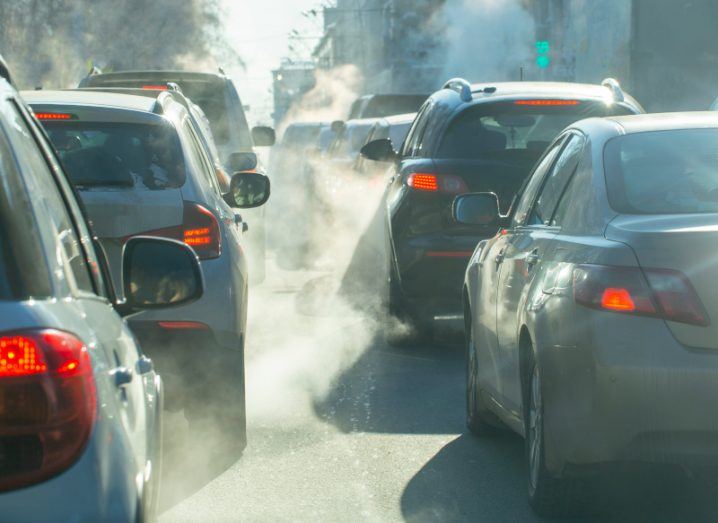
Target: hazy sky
{"x":260,"y":30}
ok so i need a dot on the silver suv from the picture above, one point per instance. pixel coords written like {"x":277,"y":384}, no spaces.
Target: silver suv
{"x":140,"y":168}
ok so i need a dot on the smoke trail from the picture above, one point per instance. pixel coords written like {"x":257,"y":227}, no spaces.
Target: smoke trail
{"x":488,"y":40}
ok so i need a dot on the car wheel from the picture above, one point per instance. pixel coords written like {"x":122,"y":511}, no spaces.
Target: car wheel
{"x":548,"y":495}
{"x":403,"y":329}
{"x":479,"y":418}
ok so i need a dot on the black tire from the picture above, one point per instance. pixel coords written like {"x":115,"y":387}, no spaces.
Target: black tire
{"x":479,"y":419}
{"x":403,"y":328}
{"x":549,"y":495}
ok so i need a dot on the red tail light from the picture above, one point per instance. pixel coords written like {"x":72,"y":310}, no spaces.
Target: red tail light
{"x":55,"y":116}
{"x":200,"y":230}
{"x":155,"y":87}
{"x":48,"y":405}
{"x":444,"y":183}
{"x":661,"y":293}
{"x":544,"y":103}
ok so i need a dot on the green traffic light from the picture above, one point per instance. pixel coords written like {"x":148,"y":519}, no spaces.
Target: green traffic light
{"x":543,"y":61}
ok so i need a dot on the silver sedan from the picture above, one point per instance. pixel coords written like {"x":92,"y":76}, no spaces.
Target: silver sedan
{"x":591,"y":315}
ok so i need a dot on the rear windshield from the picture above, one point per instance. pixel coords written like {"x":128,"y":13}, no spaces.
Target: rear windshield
{"x":381,"y":106}
{"x":664,"y":172}
{"x":212,"y":100}
{"x":139,"y":156}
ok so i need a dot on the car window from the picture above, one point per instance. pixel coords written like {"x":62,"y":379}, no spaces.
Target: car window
{"x":49,"y":198}
{"x":665,"y":172}
{"x":555,"y":183}
{"x":528,"y":195}
{"x":200,"y":156}
{"x":565,"y":200}
{"x":23,"y":272}
{"x":411,"y":147}
{"x":129,"y":155}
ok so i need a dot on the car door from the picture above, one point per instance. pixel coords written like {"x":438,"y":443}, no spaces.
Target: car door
{"x":132,"y":374}
{"x":526,"y":244}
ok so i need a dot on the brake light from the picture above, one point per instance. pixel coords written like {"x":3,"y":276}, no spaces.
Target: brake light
{"x":200,"y":230}
{"x":444,"y":183}
{"x":55,"y":116}
{"x":660,"y":293}
{"x":546,"y":102}
{"x":48,"y":404}
{"x":155,"y":87}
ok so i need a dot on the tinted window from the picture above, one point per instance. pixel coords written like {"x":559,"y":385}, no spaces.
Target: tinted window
{"x":48,"y":199}
{"x":497,"y":131}
{"x":663,"y":172}
{"x":139,"y":156}
{"x":19,"y":241}
{"x":528,"y":195}
{"x":556,"y":182}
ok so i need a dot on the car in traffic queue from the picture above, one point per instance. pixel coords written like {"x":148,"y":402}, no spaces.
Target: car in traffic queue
{"x":383,"y":105}
{"x":394,"y":128}
{"x":218,"y":98}
{"x":484,"y":137}
{"x":591,"y":316}
{"x":80,"y":403}
{"x":140,"y":168}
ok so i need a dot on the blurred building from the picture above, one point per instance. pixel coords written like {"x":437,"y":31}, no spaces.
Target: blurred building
{"x":390,"y":41}
{"x":664,"y":51}
{"x":290,"y":81}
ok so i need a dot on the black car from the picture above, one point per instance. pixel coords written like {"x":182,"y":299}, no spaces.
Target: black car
{"x":480,"y":138}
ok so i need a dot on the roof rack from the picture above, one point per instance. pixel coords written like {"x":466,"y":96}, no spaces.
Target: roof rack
{"x":461,"y":86}
{"x":615,"y":87}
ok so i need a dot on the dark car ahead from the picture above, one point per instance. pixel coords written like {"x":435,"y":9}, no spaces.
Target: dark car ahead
{"x":480,"y":138}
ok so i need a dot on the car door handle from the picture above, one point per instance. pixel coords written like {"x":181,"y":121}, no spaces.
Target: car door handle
{"x":532,"y":258}
{"x":145,"y":365}
{"x":122,"y":376}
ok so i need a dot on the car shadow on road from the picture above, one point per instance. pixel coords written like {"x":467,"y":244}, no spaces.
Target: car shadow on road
{"x":474,"y":479}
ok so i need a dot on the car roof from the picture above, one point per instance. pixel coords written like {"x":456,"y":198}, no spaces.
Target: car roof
{"x":665,"y":121}
{"x":158,"y":73}
{"x":92,"y":98}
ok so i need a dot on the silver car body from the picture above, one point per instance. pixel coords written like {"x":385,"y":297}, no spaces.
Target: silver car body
{"x":616,"y":387}
{"x":117,"y":214}
{"x":117,"y":473}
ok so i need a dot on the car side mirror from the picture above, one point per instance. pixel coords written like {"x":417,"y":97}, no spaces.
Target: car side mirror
{"x":380,"y":150}
{"x":264,"y":136}
{"x":477,"y":209}
{"x":248,"y":190}
{"x":242,"y":162}
{"x":159,"y":273}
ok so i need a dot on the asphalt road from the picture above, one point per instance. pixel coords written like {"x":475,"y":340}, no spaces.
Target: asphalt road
{"x":343,"y":427}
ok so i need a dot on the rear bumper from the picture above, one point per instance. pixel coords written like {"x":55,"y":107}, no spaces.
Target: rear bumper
{"x":431,"y":272}
{"x":628,"y":392}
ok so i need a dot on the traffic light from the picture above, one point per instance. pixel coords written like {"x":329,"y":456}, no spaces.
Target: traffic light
{"x":543,"y":48}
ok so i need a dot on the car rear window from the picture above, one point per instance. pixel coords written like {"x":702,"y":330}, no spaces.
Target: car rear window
{"x":139,"y":156}
{"x":495,"y":131}
{"x":663,"y":172}
{"x":351,"y":141}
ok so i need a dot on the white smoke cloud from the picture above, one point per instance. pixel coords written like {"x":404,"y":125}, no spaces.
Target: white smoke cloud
{"x":487,"y":40}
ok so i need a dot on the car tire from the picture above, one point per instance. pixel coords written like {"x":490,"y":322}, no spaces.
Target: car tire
{"x":479,"y":419}
{"x":549,"y":495}
{"x":403,"y":329}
